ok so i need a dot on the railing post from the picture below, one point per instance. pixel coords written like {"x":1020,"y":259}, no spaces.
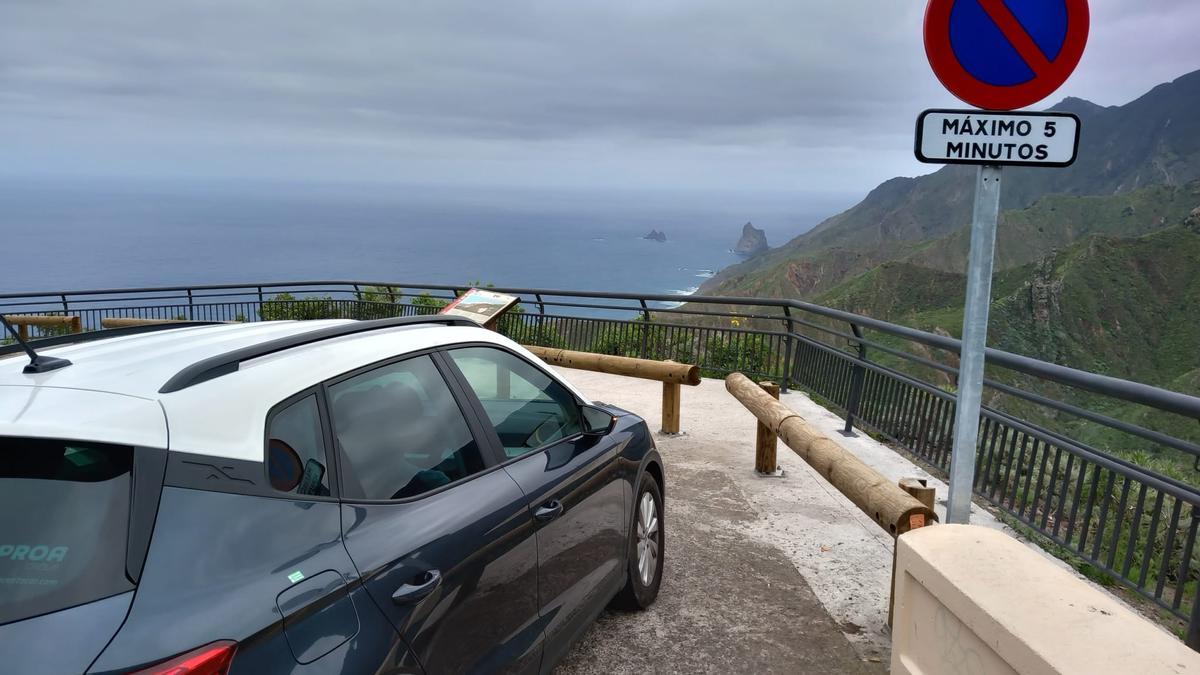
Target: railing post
{"x":646,"y":330}
{"x":1193,"y":630}
{"x":67,"y":311}
{"x":787,"y":350}
{"x":766,"y":443}
{"x":541,"y":319}
{"x":856,"y":383}
{"x":191,"y":312}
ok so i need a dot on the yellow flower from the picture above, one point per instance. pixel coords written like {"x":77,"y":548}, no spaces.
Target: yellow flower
{"x":735,"y":322}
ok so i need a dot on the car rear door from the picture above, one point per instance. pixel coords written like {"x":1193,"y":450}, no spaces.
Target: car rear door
{"x":570,"y":481}
{"x":441,"y":536}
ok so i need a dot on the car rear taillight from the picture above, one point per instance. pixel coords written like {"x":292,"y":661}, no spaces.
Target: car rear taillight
{"x":211,"y":659}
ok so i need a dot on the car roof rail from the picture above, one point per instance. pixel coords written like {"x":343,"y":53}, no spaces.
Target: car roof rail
{"x":92,"y":336}
{"x":229,"y":362}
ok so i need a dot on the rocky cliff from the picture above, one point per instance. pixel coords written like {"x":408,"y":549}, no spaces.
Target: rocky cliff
{"x":752,"y":242}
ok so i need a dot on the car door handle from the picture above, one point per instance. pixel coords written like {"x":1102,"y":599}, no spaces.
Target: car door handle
{"x":548,"y":511}
{"x":426,"y":584}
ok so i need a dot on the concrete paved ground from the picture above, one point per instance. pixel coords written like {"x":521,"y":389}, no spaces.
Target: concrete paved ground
{"x":763,"y":575}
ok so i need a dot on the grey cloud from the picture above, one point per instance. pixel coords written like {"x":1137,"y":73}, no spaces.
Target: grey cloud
{"x":825,"y":91}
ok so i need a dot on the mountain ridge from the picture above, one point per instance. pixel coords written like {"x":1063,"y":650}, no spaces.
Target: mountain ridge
{"x":1154,"y":139}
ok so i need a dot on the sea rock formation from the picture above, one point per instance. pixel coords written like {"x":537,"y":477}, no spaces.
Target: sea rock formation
{"x":753,"y":241}
{"x":655,"y":235}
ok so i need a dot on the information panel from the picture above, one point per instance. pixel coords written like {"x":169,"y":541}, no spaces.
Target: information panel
{"x":483,"y":307}
{"x":997,"y":139}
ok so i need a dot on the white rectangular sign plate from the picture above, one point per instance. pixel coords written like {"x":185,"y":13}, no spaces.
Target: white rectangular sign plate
{"x":997,"y":138}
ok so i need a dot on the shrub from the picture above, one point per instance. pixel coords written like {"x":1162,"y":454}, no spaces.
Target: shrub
{"x":742,"y":352}
{"x":286,"y":306}
{"x":427,"y":304}
{"x":662,"y":343}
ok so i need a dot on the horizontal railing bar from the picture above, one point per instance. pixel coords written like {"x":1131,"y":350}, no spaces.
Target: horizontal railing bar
{"x":1126,"y":427}
{"x":1125,"y":468}
{"x":655,"y":324}
{"x":1134,"y":392}
{"x":1119,"y":425}
{"x":1156,"y":480}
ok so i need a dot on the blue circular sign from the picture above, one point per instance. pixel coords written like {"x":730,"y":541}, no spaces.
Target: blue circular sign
{"x":1005,"y":54}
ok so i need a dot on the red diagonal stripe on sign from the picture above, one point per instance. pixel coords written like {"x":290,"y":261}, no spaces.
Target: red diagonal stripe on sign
{"x":1020,"y":39}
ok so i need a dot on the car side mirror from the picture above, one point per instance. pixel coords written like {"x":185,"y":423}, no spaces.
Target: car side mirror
{"x":596,"y":421}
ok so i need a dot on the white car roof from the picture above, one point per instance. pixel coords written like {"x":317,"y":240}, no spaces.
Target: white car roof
{"x":115,"y":383}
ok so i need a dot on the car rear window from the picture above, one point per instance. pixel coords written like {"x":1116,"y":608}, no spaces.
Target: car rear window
{"x":64,"y":514}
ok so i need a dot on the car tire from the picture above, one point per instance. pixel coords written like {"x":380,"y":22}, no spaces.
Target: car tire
{"x":646,"y":547}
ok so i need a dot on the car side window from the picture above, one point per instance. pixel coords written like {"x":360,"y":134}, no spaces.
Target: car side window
{"x":528,"y":408}
{"x":296,"y":460}
{"x":400,"y":431}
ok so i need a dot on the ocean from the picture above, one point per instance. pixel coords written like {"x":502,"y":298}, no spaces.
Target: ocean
{"x":60,"y":235}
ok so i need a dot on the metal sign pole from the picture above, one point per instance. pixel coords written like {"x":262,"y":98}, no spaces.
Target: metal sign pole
{"x":974,"y":342}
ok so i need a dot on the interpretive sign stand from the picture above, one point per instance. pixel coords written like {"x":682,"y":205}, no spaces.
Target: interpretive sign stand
{"x":483,"y":307}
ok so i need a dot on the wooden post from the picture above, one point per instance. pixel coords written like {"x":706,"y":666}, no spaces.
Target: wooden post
{"x":767,"y":443}
{"x":23,"y":331}
{"x":76,"y":324}
{"x":918,"y":488}
{"x":670,"y":407}
{"x":891,"y":508}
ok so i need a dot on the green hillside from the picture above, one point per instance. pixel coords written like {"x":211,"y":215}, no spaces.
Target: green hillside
{"x":1055,"y":221}
{"x":1154,"y":140}
{"x":1126,"y":307}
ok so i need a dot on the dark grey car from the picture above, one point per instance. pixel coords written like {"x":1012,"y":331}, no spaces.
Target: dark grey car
{"x":454,"y":509}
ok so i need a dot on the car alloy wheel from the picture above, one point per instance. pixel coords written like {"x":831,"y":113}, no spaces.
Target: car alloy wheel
{"x":647,"y":538}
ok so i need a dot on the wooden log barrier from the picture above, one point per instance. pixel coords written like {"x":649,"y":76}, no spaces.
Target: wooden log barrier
{"x":22,"y":322}
{"x":662,"y":371}
{"x":766,"y":443}
{"x":893,"y":509}
{"x":672,"y":375}
{"x":129,"y":321}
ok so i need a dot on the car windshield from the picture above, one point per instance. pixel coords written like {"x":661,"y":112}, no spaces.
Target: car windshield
{"x":64,"y":513}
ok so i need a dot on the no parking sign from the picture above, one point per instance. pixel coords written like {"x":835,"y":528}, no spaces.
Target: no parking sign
{"x":1001,"y":55}
{"x":998,"y":55}
{"x":1005,"y":54}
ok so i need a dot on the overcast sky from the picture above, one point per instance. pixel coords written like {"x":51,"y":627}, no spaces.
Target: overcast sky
{"x":801,"y":95}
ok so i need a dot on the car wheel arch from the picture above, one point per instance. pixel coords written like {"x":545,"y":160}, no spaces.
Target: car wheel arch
{"x":652,"y":465}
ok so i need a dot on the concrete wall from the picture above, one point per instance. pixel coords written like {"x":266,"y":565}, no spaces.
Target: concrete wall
{"x":973,"y":600}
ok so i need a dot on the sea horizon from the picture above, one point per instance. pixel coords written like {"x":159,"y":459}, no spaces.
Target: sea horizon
{"x":77,"y":235}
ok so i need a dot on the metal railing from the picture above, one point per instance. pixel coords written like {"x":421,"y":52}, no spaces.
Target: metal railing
{"x":1126,"y":521}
